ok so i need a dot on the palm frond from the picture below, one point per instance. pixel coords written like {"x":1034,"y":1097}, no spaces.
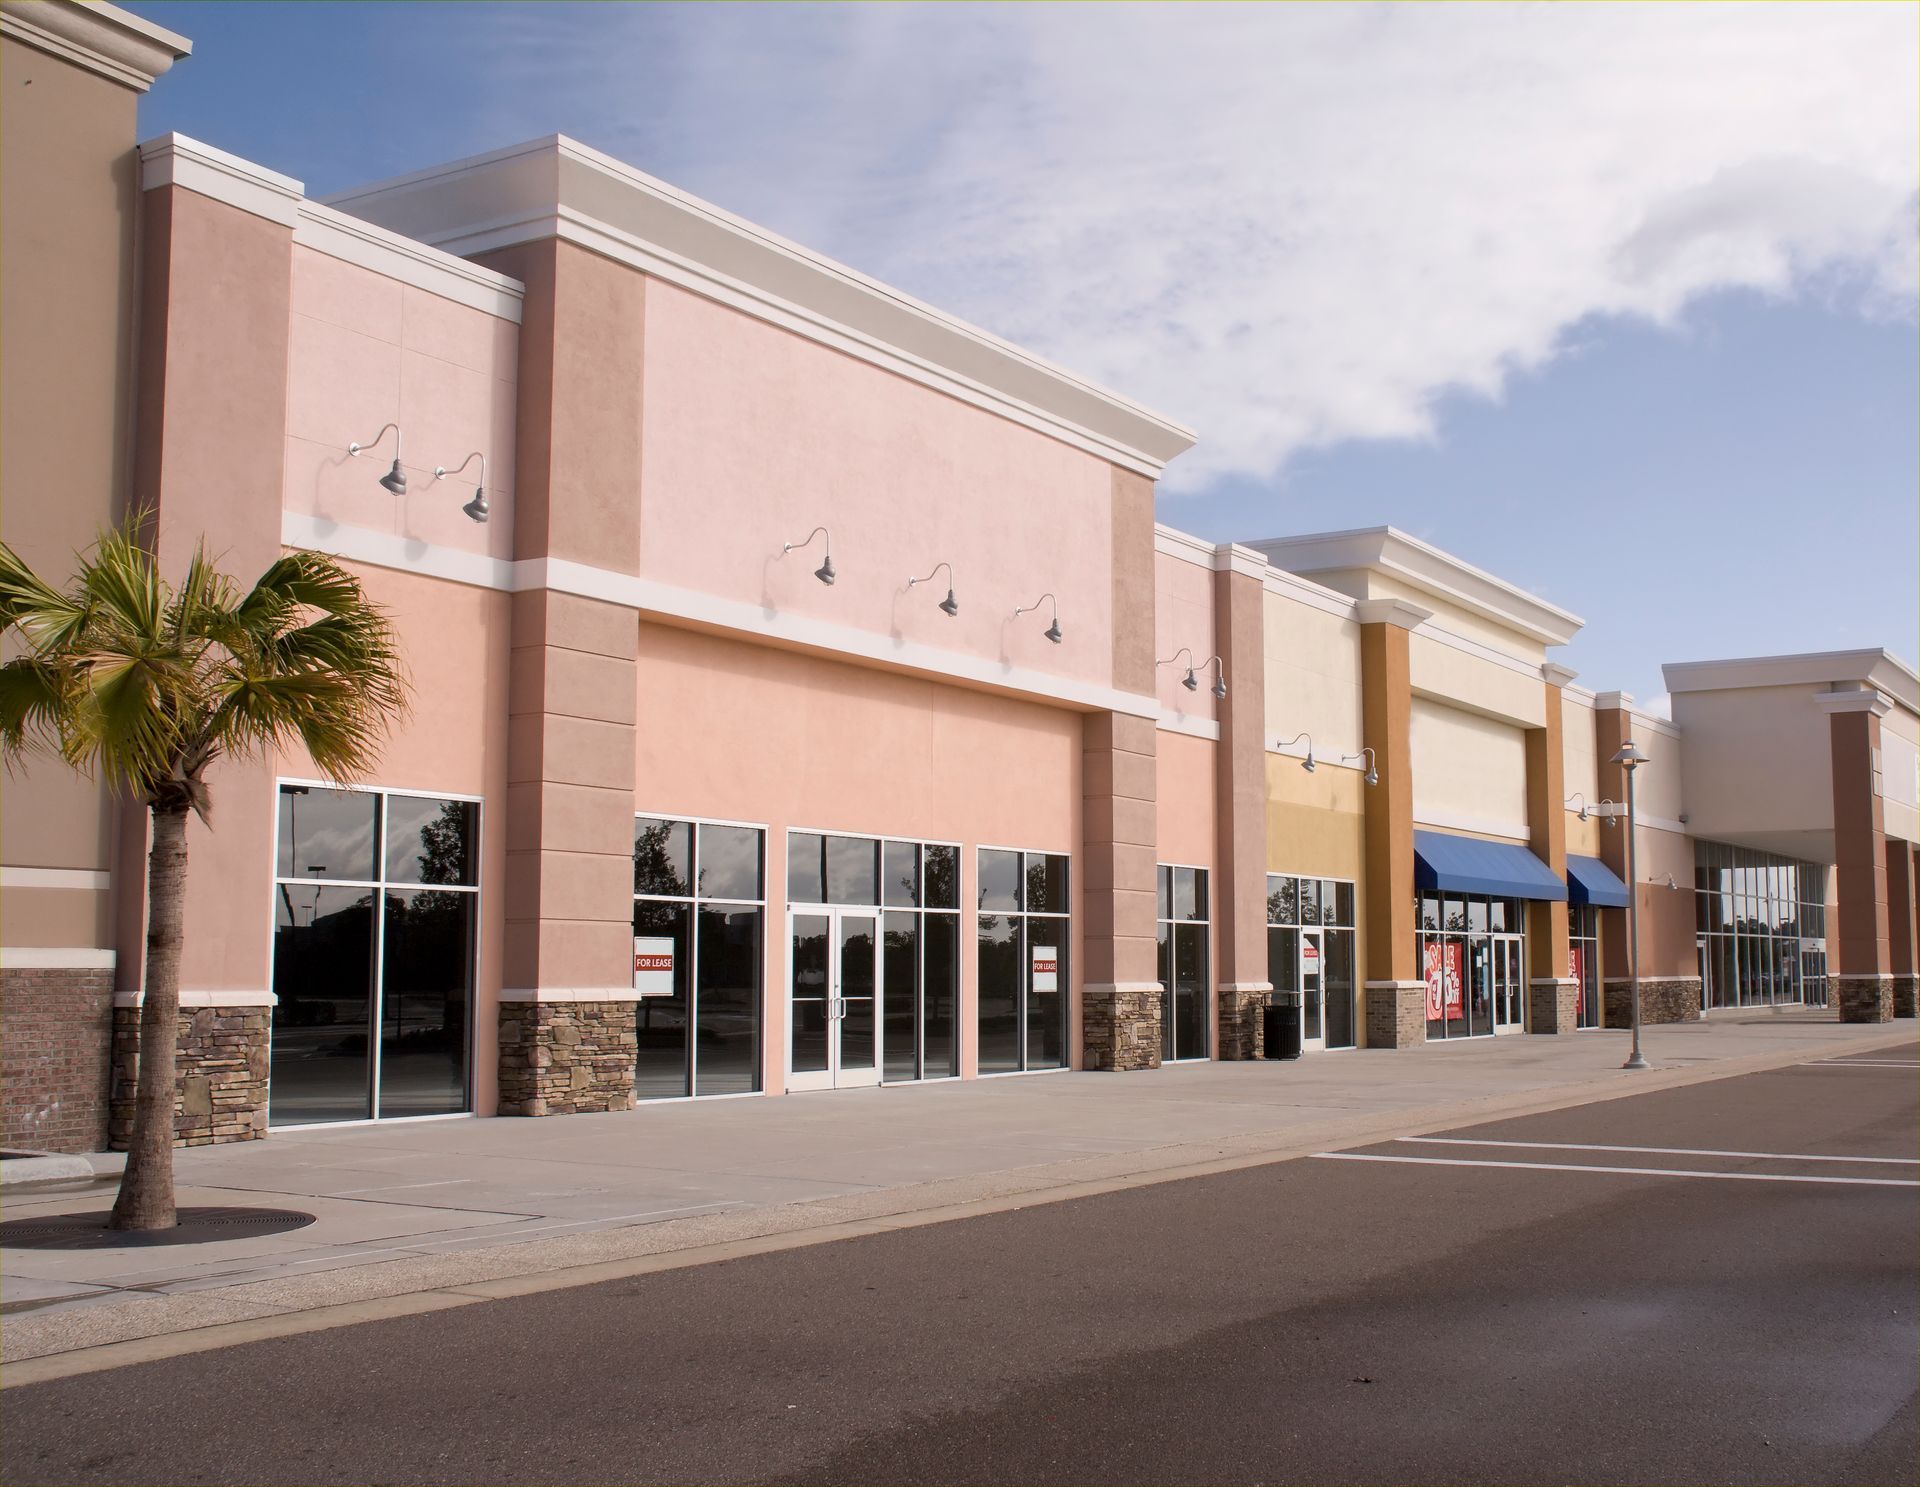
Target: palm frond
{"x":43,"y":617}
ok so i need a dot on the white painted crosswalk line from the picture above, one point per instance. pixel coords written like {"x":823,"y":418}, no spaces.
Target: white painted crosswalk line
{"x":1661,"y":1151}
{"x":1363,"y":1156}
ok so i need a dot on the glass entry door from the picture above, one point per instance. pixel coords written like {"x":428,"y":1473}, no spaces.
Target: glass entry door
{"x":1313,"y":1027}
{"x":1509,"y":985}
{"x":833,"y":1026}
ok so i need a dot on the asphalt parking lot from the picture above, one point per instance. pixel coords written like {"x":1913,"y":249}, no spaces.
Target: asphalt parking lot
{"x":1714,"y":1283}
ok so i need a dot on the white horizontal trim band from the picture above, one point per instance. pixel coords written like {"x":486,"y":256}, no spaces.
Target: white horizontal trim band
{"x":54,"y":958}
{"x":523,"y":994}
{"x":176,"y":160}
{"x":392,"y":256}
{"x":1171,"y":721}
{"x":193,"y":1000}
{"x":78,"y":878}
{"x":385,"y":550}
{"x":1513,"y":831}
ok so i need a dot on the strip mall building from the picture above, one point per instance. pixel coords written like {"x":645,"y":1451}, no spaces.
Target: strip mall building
{"x":819,"y":703}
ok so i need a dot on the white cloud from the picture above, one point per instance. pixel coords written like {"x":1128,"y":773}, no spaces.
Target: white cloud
{"x":1285,"y":225}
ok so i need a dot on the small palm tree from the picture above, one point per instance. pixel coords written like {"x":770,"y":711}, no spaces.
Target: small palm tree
{"x":143,"y":686}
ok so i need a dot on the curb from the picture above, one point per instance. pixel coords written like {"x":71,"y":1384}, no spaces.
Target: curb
{"x":38,"y":1169}
{"x":1268,"y":1149}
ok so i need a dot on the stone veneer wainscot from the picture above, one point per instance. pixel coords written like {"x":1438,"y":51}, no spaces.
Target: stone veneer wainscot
{"x":566,"y":1058}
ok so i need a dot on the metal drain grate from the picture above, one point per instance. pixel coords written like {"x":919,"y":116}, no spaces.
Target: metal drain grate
{"x":196,"y":1226}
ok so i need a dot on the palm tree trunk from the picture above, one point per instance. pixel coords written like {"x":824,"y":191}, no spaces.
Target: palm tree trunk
{"x":146,"y":1188}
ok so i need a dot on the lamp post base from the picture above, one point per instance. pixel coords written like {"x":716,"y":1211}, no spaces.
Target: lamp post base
{"x":1636,"y":1062}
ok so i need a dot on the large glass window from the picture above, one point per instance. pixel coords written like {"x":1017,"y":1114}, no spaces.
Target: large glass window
{"x":1583,"y":953}
{"x":1024,"y":927}
{"x":1186,"y":984}
{"x":1311,"y":949}
{"x":1761,"y":923}
{"x":917,"y":887}
{"x":373,"y":1009}
{"x":699,"y":917}
{"x":1472,"y":957}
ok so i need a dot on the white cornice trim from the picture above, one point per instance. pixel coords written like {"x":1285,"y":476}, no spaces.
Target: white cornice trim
{"x":102,"y":38}
{"x":649,"y":596}
{"x":1613,"y":701}
{"x":1396,"y":612}
{"x":1467,"y":645}
{"x":1874,"y":667}
{"x":558,"y":188}
{"x":1513,"y":831}
{"x":1220,"y":557}
{"x":1644,"y":822}
{"x":571,"y":994}
{"x":1585,"y":696}
{"x":392,"y":256}
{"x":54,"y":958}
{"x":176,"y":160}
{"x":1556,"y":675}
{"x":1179,"y":722}
{"x":1390,"y":551}
{"x":78,"y":878}
{"x":1298,"y":590}
{"x":1867,"y":700}
{"x":193,"y":1000}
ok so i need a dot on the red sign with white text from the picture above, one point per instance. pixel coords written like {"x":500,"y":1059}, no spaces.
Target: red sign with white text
{"x":1445,"y":968}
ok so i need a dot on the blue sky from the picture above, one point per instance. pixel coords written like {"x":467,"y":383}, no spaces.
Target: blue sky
{"x":1619,"y":303}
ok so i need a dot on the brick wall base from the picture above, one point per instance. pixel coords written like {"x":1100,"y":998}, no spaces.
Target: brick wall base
{"x":222,"y":1055}
{"x":1553,"y":1005}
{"x":1864,"y":998}
{"x":1120,"y":1027}
{"x":566,"y":1058}
{"x":56,"y":1038}
{"x":1241,"y":1034}
{"x":1676,"y":1000}
{"x":1904,"y":990}
{"x":1396,"y":1014}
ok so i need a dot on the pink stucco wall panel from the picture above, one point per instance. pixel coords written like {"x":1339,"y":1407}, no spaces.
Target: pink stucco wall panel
{"x":1185,"y":799}
{"x":365,"y":351}
{"x":789,"y":741}
{"x":753,"y":436}
{"x":1183,"y":620}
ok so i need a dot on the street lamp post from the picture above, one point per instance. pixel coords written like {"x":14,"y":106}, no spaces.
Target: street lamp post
{"x":1628,"y":757}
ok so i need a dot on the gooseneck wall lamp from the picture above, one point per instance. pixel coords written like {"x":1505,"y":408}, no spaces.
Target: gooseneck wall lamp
{"x":1308,"y":763}
{"x":1373,"y":775}
{"x":477,"y":507}
{"x":1629,"y":758}
{"x":1053,"y":630}
{"x":395,"y":479}
{"x":1191,"y":681}
{"x":825,"y":571}
{"x":949,"y":604}
{"x":1607,"y":810}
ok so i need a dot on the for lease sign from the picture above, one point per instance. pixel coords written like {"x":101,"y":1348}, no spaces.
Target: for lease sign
{"x":1046,"y":968}
{"x":653,"y":965}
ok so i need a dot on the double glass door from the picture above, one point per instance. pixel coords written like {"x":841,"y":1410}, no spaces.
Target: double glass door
{"x":833,"y":1023}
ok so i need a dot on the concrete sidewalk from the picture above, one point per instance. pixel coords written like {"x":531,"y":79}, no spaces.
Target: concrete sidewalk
{"x":449,"y":1212}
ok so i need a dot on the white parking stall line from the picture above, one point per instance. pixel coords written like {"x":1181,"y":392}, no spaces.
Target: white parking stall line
{"x":1662,"y":1151}
{"x":1361,"y":1156}
{"x":1861,"y":1063}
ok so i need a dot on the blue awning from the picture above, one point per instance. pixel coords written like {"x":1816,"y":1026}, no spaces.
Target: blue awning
{"x":1591,"y":881}
{"x":1465,"y":864}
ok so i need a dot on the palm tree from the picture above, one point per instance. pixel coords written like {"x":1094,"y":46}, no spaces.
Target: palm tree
{"x":143,"y":686}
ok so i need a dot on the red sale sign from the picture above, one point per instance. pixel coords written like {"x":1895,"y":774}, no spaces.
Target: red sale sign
{"x":1445,"y":968}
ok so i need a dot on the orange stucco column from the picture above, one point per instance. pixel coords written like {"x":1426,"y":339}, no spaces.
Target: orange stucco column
{"x":1553,"y":1000}
{"x":1240,"y":792}
{"x":1395,"y":996}
{"x":1863,"y":983}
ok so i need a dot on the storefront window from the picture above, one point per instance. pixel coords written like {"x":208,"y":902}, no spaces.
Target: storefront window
{"x":1186,"y":985}
{"x":1314,"y":956}
{"x":372,"y":1011}
{"x":1024,"y":929}
{"x":1474,"y":971}
{"x":1583,"y":953}
{"x":1761,"y":924}
{"x":699,"y":914}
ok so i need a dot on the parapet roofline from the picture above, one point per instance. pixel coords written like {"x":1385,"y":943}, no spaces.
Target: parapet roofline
{"x":1874,"y":667}
{"x":102,"y":38}
{"x":1392,"y":552}
{"x":558,"y":188}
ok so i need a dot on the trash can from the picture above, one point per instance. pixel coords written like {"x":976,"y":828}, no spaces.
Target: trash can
{"x":1280,"y":1025}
